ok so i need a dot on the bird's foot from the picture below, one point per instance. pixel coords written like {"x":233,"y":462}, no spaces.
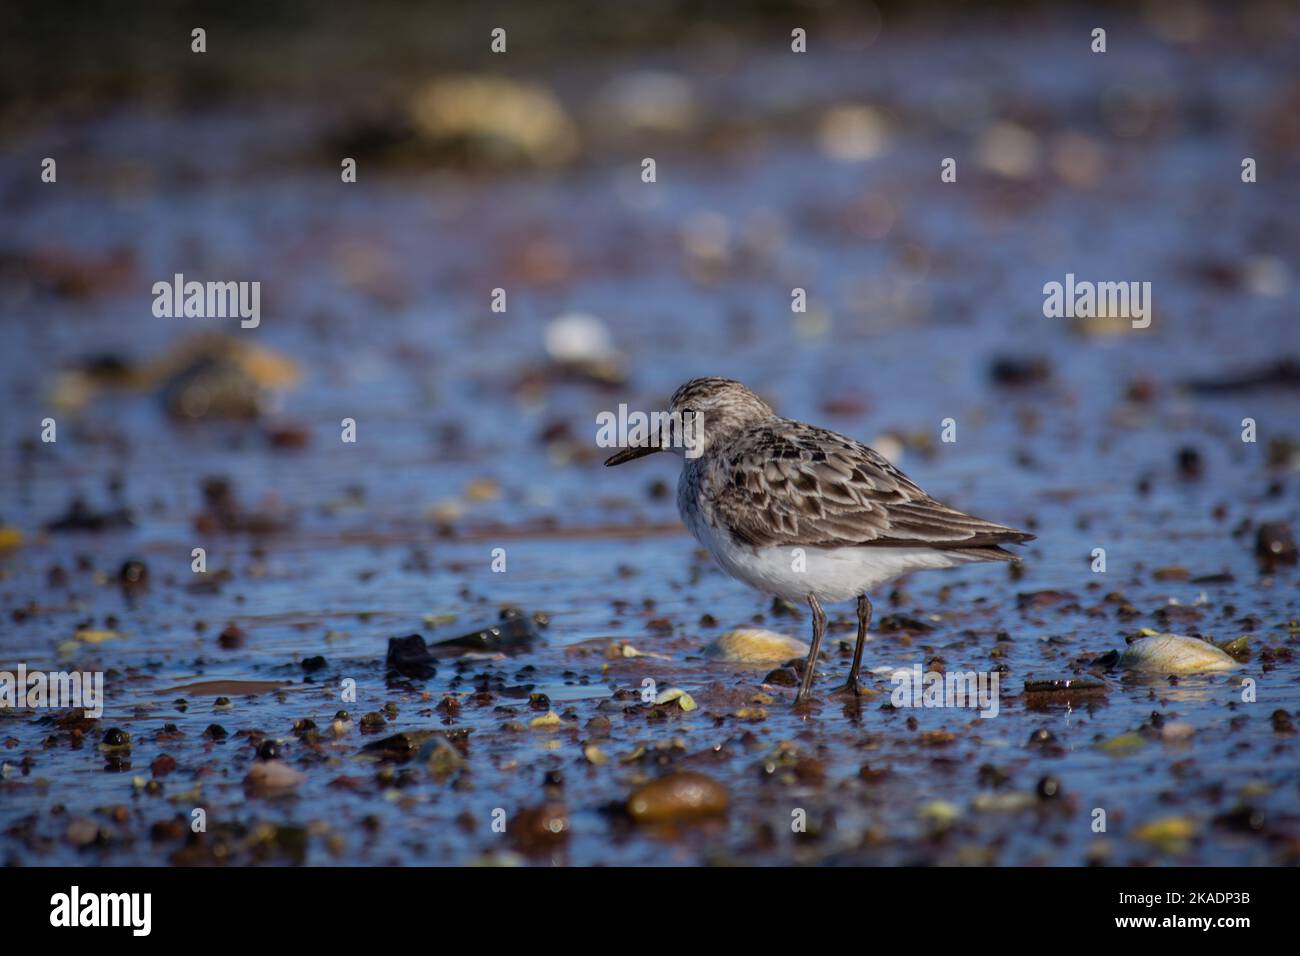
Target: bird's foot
{"x":849,"y":687}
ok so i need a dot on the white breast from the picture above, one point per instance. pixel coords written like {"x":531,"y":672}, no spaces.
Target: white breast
{"x":792,"y":573}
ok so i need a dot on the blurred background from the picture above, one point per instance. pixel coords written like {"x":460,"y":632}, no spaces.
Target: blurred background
{"x":522,"y":172}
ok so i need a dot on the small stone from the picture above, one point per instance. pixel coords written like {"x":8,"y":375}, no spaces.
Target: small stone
{"x":1019,"y":370}
{"x":536,"y":829}
{"x":683,"y":795}
{"x":133,"y":575}
{"x":1274,"y":544}
{"x":1042,"y":737}
{"x":1238,"y":648}
{"x":440,"y":757}
{"x":750,"y":645}
{"x":272,"y":776}
{"x":81,"y":832}
{"x":1122,"y":745}
{"x":515,"y":630}
{"x":940,"y":814}
{"x":1190,"y":464}
{"x":162,"y":765}
{"x":1170,"y":834}
{"x":1012,"y":802}
{"x":409,"y":657}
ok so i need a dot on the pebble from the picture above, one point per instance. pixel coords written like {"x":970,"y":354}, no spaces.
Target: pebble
{"x":682,"y":795}
{"x":162,"y":765}
{"x":782,"y":677}
{"x":269,"y":776}
{"x":82,"y":832}
{"x":547,"y":720}
{"x":1169,"y":833}
{"x":939,"y":813}
{"x":1042,"y":737}
{"x":440,"y":757}
{"x":514,"y":631}
{"x":1015,"y":370}
{"x":409,"y":657}
{"x":748,"y":645}
{"x":232,"y":637}
{"x":1012,"y":802}
{"x":1174,"y":654}
{"x":133,"y":574}
{"x":535,"y":829}
{"x":1274,"y":544}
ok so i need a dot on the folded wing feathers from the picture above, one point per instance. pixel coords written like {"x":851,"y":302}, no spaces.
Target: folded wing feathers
{"x":807,"y":486}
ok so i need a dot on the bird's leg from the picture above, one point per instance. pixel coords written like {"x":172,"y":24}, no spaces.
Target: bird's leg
{"x":819,"y":628}
{"x":864,"y":622}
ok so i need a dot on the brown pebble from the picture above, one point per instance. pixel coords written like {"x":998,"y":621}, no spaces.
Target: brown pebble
{"x":1274,"y":544}
{"x":1282,"y":723}
{"x":537,"y":828}
{"x":232,"y":637}
{"x":678,"y":796}
{"x":162,"y":765}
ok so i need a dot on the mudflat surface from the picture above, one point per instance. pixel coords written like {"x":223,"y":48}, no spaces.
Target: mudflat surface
{"x":774,"y":171}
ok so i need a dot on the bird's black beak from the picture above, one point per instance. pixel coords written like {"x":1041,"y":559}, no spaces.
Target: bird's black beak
{"x":630,"y":454}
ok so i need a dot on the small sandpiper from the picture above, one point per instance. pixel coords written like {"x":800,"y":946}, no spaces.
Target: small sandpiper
{"x":805,"y":513}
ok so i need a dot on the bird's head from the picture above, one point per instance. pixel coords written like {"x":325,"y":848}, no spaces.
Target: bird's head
{"x":700,"y":413}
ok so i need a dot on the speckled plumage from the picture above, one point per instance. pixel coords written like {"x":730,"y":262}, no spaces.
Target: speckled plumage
{"x":806,"y":513}
{"x":772,"y":481}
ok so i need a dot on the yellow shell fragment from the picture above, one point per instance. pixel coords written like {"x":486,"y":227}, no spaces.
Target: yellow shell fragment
{"x":1168,"y":833}
{"x":548,"y":719}
{"x":684,"y":700}
{"x":88,"y":636}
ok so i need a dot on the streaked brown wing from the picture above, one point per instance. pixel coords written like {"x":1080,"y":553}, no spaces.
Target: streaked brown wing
{"x":801,"y":485}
